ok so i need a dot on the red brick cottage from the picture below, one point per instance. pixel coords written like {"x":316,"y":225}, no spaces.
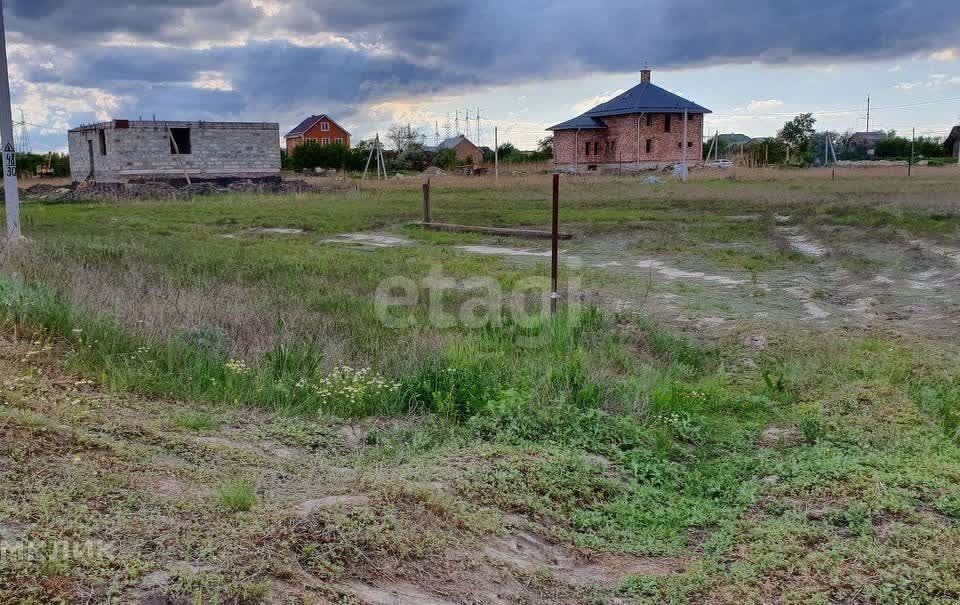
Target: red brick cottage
{"x":318,"y":129}
{"x":639,"y":129}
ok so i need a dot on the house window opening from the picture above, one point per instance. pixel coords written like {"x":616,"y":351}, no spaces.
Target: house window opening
{"x":180,"y":141}
{"x":102,"y":136}
{"x":649,"y":145}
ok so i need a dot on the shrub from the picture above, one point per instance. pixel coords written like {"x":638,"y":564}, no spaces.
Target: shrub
{"x":238,"y":495}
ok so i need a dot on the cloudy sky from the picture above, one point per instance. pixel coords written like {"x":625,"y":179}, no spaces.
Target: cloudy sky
{"x":525,"y":64}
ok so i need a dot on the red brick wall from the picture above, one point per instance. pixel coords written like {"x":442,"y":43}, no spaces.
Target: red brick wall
{"x":317,"y":132}
{"x":618,"y":143}
{"x":466,"y":149}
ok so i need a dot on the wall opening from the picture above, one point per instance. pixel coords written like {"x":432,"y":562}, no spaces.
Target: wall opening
{"x":102,"y":136}
{"x":180,"y":141}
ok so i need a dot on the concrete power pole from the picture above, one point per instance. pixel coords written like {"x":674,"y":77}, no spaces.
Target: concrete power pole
{"x":868,"y":113}
{"x":683,"y":175}
{"x":496,"y":155}
{"x":11,"y":194}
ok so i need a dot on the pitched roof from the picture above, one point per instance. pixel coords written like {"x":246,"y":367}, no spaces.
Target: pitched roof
{"x":583,"y":122}
{"x":734,"y":138}
{"x":642,"y":98}
{"x":307,"y":124}
{"x":450,"y":143}
{"x":953,"y":136}
{"x":646,"y":98}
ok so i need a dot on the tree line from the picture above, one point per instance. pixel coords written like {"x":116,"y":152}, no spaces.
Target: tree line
{"x":404,"y":149}
{"x":799,"y":143}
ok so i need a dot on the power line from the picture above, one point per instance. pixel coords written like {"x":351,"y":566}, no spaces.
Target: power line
{"x":838,"y":111}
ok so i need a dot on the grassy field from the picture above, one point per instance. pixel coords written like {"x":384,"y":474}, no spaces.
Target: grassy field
{"x":751,"y":394}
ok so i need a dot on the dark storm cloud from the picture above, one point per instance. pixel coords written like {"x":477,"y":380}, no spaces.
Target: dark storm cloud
{"x":77,"y":23}
{"x":410,"y":47}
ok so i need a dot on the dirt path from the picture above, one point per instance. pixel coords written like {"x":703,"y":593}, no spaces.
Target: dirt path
{"x":127,"y":479}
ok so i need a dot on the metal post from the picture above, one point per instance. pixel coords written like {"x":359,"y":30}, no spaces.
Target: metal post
{"x":555,"y":250}
{"x":496,"y":155}
{"x":913,"y":140}
{"x":426,"y":202}
{"x":10,"y":192}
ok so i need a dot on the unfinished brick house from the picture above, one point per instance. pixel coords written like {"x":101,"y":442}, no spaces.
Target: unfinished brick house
{"x":466,"y":151}
{"x":637,"y":130}
{"x":125,"y":150}
{"x":317,"y":129}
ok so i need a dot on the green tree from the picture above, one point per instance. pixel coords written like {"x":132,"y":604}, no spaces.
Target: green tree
{"x":446,"y":159}
{"x":508,"y":153}
{"x":798,"y":132}
{"x":314,"y":155}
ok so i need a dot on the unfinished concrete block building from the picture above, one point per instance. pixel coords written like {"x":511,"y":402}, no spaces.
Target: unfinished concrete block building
{"x":125,"y":150}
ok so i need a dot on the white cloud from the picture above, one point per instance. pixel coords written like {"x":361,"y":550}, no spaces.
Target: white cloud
{"x":767,"y":105}
{"x":759,"y":106}
{"x":212,"y":80}
{"x":935,"y":81}
{"x":591,"y":102}
{"x":947,"y":54}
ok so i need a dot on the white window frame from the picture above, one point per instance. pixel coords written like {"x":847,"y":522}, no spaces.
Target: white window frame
{"x":338,"y":140}
{"x":324,"y":141}
{"x":324,"y":126}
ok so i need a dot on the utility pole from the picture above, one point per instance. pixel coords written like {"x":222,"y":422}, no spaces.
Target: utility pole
{"x":826,"y":149}
{"x":496,"y":155}
{"x":11,"y":194}
{"x":555,"y":245}
{"x":683,"y":175}
{"x":913,"y":140}
{"x":868,"y":113}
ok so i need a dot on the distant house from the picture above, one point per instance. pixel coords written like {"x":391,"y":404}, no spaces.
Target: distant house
{"x":317,"y":129}
{"x":865,"y":142}
{"x":952,"y":144}
{"x":642,"y":127}
{"x":461,"y":145}
{"x":733,"y":138}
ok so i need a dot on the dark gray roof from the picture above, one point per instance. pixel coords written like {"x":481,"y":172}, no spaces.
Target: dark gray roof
{"x":734,"y":138}
{"x":450,"y":143}
{"x":583,"y":122}
{"x":305,"y":125}
{"x":645,"y":98}
{"x":642,"y":98}
{"x":953,"y":136}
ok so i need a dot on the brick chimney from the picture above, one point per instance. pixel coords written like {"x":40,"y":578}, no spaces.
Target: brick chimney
{"x":644,"y":76}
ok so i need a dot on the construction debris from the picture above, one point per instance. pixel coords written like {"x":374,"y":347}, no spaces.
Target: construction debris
{"x":93,"y":191}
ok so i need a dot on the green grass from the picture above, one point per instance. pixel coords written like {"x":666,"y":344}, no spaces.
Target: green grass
{"x":195,"y":421}
{"x":237,"y":495}
{"x":606,"y":430}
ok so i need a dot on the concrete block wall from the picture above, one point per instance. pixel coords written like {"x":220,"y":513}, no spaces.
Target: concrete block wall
{"x":143,"y":150}
{"x":618,"y":143}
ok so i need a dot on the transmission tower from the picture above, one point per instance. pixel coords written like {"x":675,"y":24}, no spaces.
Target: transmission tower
{"x":479,"y":133}
{"x":446,"y":128}
{"x":467,"y":127}
{"x":22,"y":136}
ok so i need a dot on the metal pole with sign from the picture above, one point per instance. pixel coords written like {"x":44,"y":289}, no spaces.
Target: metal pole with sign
{"x":11,"y":195}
